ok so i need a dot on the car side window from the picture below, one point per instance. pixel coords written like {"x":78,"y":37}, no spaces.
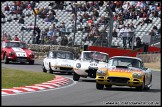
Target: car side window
{"x":50,"y":55}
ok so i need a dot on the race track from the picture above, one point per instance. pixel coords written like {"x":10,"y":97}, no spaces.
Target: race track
{"x":84,"y":92}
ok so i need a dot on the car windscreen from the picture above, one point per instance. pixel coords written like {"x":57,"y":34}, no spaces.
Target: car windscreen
{"x":95,"y":56}
{"x":15,"y":44}
{"x":126,"y":62}
{"x":63,"y":55}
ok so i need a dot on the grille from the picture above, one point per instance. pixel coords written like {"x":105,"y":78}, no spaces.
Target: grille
{"x":118,"y":79}
{"x":61,"y":68}
{"x":21,"y":57}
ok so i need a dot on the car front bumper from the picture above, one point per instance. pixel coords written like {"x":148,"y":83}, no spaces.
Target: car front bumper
{"x":132,"y":82}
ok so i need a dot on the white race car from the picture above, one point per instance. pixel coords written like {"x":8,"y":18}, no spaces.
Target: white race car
{"x":89,"y":63}
{"x":59,"y":61}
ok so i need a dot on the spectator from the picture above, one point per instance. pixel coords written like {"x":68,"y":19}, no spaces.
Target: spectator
{"x":38,"y":34}
{"x":70,"y":41}
{"x":159,"y":30}
{"x":21,"y":20}
{"x":114,"y":34}
{"x":147,"y":21}
{"x":123,"y":35}
{"x":64,"y":40}
{"x":130,"y":34}
{"x":7,"y":8}
{"x":138,"y":42}
{"x":16,"y":38}
{"x":2,"y":15}
{"x":152,"y":33}
{"x":5,"y":37}
{"x":90,"y":21}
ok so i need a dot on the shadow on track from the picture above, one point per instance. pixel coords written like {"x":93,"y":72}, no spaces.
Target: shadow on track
{"x":18,"y":63}
{"x":130,"y":89}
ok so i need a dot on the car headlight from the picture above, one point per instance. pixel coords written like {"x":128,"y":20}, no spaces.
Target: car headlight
{"x":78,"y":65}
{"x":137,"y":75}
{"x":12,"y":53}
{"x":101,"y":72}
{"x":32,"y":55}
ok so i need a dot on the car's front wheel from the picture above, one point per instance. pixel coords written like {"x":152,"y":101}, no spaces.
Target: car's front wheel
{"x":108,"y":86}
{"x":31,"y":62}
{"x":99,"y":86}
{"x":6,"y":60}
{"x":43,"y":68}
{"x":76,"y":76}
{"x":142,"y":87}
{"x":50,"y":69}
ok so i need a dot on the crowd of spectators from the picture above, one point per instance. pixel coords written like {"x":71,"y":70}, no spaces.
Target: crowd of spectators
{"x":122,"y":10}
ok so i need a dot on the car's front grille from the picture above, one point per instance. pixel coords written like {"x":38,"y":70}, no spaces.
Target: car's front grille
{"x":61,"y":68}
{"x":118,"y":79}
{"x":21,"y":57}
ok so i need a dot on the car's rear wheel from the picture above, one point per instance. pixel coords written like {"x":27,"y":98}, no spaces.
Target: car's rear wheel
{"x":31,"y":62}
{"x":99,"y":86}
{"x":50,"y":69}
{"x":43,"y":68}
{"x":6,"y":60}
{"x":76,"y":76}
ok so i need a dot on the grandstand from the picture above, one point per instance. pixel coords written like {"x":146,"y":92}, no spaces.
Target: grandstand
{"x":64,"y":14}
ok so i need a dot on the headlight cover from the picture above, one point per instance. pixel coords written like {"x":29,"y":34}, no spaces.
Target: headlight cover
{"x":137,"y":75}
{"x":101,"y":72}
{"x":12,"y":53}
{"x":78,"y":65}
{"x":31,"y":55}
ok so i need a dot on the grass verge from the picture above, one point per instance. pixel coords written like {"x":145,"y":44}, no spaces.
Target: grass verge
{"x":18,"y":78}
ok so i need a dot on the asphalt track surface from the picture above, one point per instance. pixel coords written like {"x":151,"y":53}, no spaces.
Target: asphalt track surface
{"x":83,"y":93}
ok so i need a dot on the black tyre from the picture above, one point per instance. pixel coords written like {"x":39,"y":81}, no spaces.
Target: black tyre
{"x":99,"y":86}
{"x":6,"y":60}
{"x":50,"y":69}
{"x":76,"y":77}
{"x":43,"y":68}
{"x":147,"y":87}
{"x":31,"y":62}
{"x":108,"y":86}
{"x":142,"y":87}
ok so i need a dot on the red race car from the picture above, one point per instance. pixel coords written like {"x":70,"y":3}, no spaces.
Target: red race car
{"x":16,"y":51}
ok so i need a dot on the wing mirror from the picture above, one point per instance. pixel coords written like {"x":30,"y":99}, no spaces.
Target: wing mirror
{"x":145,"y":68}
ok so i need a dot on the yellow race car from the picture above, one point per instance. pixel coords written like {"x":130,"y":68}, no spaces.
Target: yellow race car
{"x":124,"y":71}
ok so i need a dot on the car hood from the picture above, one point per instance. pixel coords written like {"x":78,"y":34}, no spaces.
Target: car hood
{"x":62,"y":62}
{"x":22,"y":52}
{"x":123,"y":72}
{"x":92,"y":63}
